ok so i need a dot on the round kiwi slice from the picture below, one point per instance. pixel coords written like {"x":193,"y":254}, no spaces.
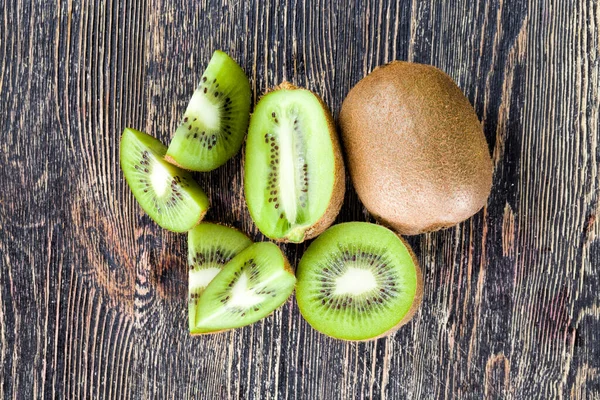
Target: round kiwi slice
{"x":358,"y":281}
{"x":214,"y":124}
{"x":210,"y":247}
{"x":169,"y":195}
{"x":250,"y":287}
{"x":294,"y":173}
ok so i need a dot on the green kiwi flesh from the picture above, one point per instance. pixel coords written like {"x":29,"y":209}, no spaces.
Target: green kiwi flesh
{"x":210,"y":247}
{"x":293,"y":178}
{"x":358,"y":281}
{"x":169,"y":195}
{"x":250,"y":287}
{"x":214,"y":124}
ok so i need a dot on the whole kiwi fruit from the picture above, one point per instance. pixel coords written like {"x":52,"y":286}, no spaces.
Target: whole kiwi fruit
{"x":415,"y":148}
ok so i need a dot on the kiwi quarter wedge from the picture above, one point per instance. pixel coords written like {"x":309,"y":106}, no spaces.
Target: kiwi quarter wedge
{"x":358,"y":281}
{"x":214,"y":124}
{"x":169,"y":195}
{"x":250,"y":287}
{"x":294,"y":173}
{"x":210,"y":247}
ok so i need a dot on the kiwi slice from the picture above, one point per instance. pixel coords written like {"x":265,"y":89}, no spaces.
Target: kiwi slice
{"x":167,"y":193}
{"x":250,"y":287}
{"x":358,"y":281}
{"x":210,"y":247}
{"x":294,"y":173}
{"x":214,"y":124}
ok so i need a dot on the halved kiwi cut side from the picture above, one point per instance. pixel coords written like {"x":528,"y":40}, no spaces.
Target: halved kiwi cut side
{"x":251,"y":286}
{"x":210,"y":247}
{"x":294,"y":173}
{"x":169,"y":195}
{"x":358,"y":281}
{"x":214,"y":124}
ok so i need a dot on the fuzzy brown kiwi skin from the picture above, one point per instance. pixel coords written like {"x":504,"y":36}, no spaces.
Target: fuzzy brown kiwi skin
{"x":171,"y":160}
{"x":339,"y":182}
{"x":416,"y":304}
{"x":197,"y":222}
{"x":288,"y":268}
{"x":428,"y":152}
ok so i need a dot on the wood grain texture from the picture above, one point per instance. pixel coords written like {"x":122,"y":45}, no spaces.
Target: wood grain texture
{"x":93,"y":293}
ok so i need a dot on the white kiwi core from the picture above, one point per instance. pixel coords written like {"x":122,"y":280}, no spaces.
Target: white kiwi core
{"x":355,"y":281}
{"x":205,"y":110}
{"x":160,"y":179}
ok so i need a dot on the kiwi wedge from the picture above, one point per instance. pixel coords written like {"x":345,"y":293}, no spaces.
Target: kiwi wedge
{"x":358,"y":281}
{"x":251,"y":286}
{"x":294,"y":173}
{"x":415,"y":148}
{"x":214,"y":124}
{"x":169,"y":195}
{"x":210,"y":247}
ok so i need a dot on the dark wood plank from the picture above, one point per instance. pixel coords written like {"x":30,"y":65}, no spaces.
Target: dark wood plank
{"x":93,"y":293}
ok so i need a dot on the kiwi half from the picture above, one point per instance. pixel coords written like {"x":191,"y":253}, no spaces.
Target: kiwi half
{"x":210,"y":247}
{"x":294,"y":173}
{"x":250,"y":287}
{"x":167,"y":193}
{"x":214,"y":124}
{"x":358,"y":281}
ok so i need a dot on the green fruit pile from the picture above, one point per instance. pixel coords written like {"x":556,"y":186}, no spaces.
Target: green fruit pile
{"x":417,"y":158}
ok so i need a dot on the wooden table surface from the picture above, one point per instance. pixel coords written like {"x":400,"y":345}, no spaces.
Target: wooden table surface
{"x":93,"y":293}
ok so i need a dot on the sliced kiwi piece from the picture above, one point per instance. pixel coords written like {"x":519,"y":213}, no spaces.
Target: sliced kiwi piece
{"x":250,"y":287}
{"x":358,"y":281}
{"x":294,"y":173}
{"x":169,"y":195}
{"x":214,"y":124}
{"x":210,"y":247}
